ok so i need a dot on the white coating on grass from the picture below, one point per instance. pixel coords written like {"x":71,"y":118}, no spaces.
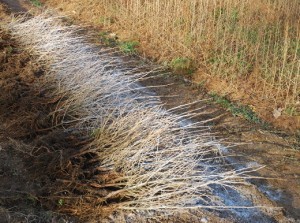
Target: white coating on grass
{"x":165,"y":163}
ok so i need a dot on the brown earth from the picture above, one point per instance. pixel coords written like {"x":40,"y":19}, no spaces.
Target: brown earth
{"x":26,"y":132}
{"x":23,"y":111}
{"x":16,"y":6}
{"x":26,"y":136}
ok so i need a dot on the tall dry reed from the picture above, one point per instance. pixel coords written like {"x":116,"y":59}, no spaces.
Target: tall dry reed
{"x":235,"y":40}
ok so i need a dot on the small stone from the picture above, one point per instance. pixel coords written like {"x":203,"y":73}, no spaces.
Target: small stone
{"x":113,"y":35}
{"x":204,"y":220}
{"x":277,"y":112}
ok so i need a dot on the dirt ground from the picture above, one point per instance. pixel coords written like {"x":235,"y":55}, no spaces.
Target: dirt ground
{"x":24,"y":135}
{"x":28,"y":142}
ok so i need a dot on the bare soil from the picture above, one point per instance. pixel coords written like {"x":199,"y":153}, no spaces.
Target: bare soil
{"x":24,"y":113}
{"x":36,"y":164}
{"x":16,"y":6}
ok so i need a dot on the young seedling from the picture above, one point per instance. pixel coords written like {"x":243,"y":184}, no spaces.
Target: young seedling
{"x":129,"y":47}
{"x":235,"y":109}
{"x":108,"y":39}
{"x":183,"y":65}
{"x":36,"y":3}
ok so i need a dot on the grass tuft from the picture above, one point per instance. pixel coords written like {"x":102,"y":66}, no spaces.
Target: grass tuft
{"x":237,"y":110}
{"x":129,"y":47}
{"x":36,"y":3}
{"x":182,"y":65}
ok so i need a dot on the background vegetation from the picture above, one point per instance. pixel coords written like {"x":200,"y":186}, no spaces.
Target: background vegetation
{"x":231,"y":39}
{"x":248,"y":51}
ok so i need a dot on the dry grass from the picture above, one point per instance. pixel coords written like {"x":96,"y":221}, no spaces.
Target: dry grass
{"x":149,"y":158}
{"x":235,"y":40}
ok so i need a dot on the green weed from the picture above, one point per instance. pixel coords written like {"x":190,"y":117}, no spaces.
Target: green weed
{"x":108,"y":40}
{"x":237,"y":110}
{"x":251,"y":35}
{"x":36,"y":3}
{"x":128,"y":47}
{"x":234,"y":15}
{"x":219,"y":12}
{"x":295,"y":47}
{"x":182,"y":64}
{"x":291,"y":111}
{"x":95,"y":132}
{"x":60,"y":202}
{"x":179,"y":22}
{"x":8,"y":50}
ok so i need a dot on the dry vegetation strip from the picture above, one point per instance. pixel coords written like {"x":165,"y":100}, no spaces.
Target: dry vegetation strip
{"x":237,"y":41}
{"x":138,"y":156}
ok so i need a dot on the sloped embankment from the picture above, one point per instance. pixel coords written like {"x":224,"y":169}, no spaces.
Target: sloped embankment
{"x":141,"y":156}
{"x":104,"y":142}
{"x":247,"y":51}
{"x":27,"y":135}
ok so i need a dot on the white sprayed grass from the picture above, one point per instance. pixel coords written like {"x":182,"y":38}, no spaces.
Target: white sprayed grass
{"x":163,"y":162}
